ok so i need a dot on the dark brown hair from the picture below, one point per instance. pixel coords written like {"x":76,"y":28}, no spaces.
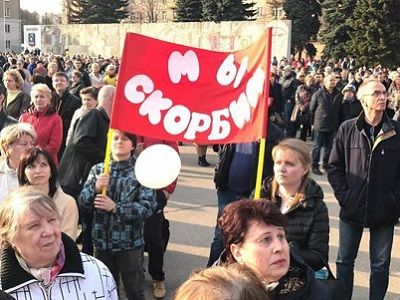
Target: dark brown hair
{"x":90,"y":90}
{"x":239,"y":215}
{"x":31,"y":156}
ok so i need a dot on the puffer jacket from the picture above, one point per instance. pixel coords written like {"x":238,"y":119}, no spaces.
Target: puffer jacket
{"x":307,"y":230}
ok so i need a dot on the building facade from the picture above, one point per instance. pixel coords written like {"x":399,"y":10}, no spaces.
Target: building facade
{"x":10,"y":18}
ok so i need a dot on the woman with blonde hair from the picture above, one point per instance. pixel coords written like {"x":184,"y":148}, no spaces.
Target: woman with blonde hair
{"x":16,"y":101}
{"x":301,"y":199}
{"x":46,"y":121}
{"x":14,"y":141}
{"x":234,"y":282}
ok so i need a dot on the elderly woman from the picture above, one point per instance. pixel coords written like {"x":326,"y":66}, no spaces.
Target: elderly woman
{"x":40,"y":262}
{"x":14,"y":141}
{"x":254,"y":235}
{"x":37,"y":168}
{"x":16,"y":100}
{"x":46,"y":121}
{"x":300,"y":198}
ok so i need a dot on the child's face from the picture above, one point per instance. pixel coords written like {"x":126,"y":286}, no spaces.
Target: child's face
{"x":122,"y":146}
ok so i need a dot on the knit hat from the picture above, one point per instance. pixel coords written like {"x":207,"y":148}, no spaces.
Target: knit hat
{"x":349,"y":87}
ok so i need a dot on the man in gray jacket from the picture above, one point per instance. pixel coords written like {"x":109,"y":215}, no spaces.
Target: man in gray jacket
{"x":324,"y":108}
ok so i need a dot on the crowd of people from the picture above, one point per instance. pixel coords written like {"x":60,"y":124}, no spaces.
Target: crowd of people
{"x":55,"y":192}
{"x":54,"y":118}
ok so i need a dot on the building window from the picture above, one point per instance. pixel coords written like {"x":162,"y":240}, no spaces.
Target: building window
{"x":259,"y":12}
{"x":280,"y":12}
{"x":8,"y":44}
{"x":164,"y":15}
{"x":7,"y":28}
{"x":7,"y":12}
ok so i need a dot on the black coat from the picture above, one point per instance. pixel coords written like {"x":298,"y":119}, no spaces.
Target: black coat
{"x":349,"y":110}
{"x":311,"y":289}
{"x":298,"y":283}
{"x":18,"y":106}
{"x":365,"y":179}
{"x":307,"y":230}
{"x":87,"y":148}
{"x":66,"y":106}
{"x":6,"y":120}
{"x":324,"y":108}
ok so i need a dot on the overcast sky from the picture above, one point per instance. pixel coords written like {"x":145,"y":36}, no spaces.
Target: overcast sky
{"x":42,"y":6}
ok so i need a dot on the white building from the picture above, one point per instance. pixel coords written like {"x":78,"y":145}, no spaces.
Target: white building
{"x":10,"y":24}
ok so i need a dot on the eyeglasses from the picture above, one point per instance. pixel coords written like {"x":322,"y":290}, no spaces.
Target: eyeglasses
{"x":376,"y":94}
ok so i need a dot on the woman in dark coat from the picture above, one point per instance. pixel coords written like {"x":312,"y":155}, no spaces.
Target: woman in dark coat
{"x":300,"y":198}
{"x":254,"y":235}
{"x":16,"y":101}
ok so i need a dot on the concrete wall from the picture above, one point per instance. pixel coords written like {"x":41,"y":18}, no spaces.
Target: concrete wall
{"x":108,"y":39}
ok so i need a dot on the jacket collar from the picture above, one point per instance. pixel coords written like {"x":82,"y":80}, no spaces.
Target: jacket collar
{"x":13,"y":276}
{"x":387,"y":130}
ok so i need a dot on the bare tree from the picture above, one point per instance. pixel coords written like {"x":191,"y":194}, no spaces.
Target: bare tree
{"x":149,"y":11}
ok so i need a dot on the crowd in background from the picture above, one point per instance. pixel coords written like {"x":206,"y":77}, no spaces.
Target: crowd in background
{"x":54,"y":118}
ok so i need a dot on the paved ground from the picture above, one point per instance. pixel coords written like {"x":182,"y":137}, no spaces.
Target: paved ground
{"x":192,"y":212}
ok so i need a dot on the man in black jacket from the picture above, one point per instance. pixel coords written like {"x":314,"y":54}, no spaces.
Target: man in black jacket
{"x":65,"y":104}
{"x":324,"y":108}
{"x":87,"y":148}
{"x":364,"y":172}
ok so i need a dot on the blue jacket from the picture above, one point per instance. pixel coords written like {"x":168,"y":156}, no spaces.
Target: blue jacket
{"x":122,"y":230}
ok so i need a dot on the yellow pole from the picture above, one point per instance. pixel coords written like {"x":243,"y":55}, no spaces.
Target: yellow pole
{"x":263,"y":140}
{"x":260,"y":168}
{"x":107,"y":158}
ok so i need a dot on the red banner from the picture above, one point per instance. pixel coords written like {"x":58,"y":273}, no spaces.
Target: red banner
{"x":179,"y":93}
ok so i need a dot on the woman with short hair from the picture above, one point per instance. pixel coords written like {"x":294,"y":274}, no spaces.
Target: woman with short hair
{"x":14,"y":141}
{"x":16,"y":101}
{"x":46,"y":121}
{"x":77,"y":83}
{"x":254,"y":235}
{"x":38,"y":261}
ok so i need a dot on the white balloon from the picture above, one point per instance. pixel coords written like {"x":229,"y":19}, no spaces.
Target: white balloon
{"x":157,"y":166}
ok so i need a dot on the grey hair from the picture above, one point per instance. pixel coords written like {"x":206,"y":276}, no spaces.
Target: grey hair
{"x":22,"y":199}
